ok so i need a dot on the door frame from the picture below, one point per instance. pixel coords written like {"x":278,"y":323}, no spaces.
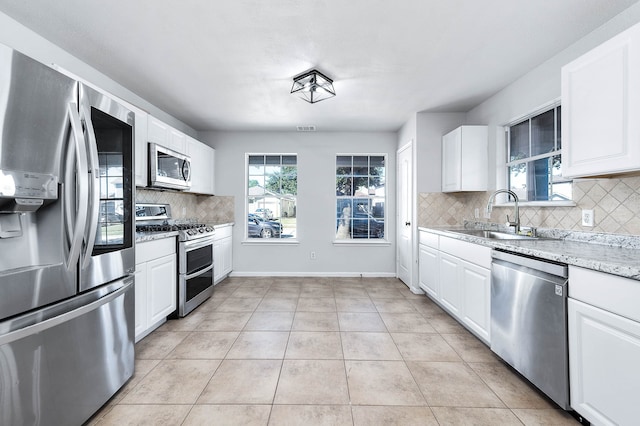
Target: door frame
{"x":413,"y":251}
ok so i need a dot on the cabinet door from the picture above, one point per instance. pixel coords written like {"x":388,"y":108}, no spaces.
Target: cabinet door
{"x":476,"y":288}
{"x":141,"y":322}
{"x":450,"y":290}
{"x":202,"y":161}
{"x":177,"y":141}
{"x":604,"y":371}
{"x":161,"y":288}
{"x":158,"y":132}
{"x":222,"y":258}
{"x":451,"y":164}
{"x":218,"y":260}
{"x":600,"y":106}
{"x":428,"y":270}
{"x":228,"y":255}
{"x":464,"y":159}
{"x":140,"y":137}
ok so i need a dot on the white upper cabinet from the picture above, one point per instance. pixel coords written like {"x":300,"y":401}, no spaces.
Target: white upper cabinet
{"x":165,"y":135}
{"x":177,"y":141}
{"x":202,"y":162}
{"x":464,"y":159}
{"x":600,"y":109}
{"x":141,"y":151}
{"x":158,"y":132}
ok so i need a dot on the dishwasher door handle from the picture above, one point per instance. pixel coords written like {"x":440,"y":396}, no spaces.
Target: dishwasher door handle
{"x":542,"y":265}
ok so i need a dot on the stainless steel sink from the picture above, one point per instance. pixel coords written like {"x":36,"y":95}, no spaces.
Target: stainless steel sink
{"x":496,"y":235}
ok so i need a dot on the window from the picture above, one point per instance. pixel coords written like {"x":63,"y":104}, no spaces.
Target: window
{"x":360,"y":196}
{"x":533,"y":158}
{"x":271,"y":195}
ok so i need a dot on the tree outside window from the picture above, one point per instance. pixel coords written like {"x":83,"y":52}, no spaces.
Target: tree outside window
{"x":360,"y":196}
{"x":271,"y":195}
{"x":534,"y":162}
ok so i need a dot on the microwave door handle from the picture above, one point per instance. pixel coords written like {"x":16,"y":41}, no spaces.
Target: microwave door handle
{"x":186,"y":175}
{"x":82,"y":187}
{"x":94,"y":187}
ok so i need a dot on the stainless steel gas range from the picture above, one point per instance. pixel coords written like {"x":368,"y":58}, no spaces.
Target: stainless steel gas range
{"x":195,"y":253}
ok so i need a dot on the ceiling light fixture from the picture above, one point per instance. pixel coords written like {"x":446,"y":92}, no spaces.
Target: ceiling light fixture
{"x":313,"y":86}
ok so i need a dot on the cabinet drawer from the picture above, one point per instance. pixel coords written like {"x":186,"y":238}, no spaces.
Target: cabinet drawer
{"x":149,"y":250}
{"x":429,"y":239}
{"x":223,"y":232}
{"x":473,"y":253}
{"x":609,"y":292}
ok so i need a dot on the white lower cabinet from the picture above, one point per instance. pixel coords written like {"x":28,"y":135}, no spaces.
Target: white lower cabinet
{"x":476,"y":290}
{"x":156,"y":285}
{"x":429,"y":270}
{"x":450,"y":285}
{"x":457,"y":275}
{"x":604,"y":347}
{"x":222,"y":253}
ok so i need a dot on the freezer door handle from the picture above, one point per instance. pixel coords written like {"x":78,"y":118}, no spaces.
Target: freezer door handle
{"x":94,"y":187}
{"x":76,"y":235}
{"x":44,"y":319}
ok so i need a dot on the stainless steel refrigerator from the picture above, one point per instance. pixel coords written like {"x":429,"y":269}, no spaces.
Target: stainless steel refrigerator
{"x":66,"y":245}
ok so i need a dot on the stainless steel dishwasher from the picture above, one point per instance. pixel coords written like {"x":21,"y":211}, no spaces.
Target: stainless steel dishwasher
{"x":529,"y":320}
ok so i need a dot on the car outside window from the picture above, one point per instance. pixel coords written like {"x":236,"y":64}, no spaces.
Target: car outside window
{"x":272,"y":188}
{"x":360,"y":196}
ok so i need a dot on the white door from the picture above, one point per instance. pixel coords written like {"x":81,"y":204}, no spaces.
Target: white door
{"x":405,"y":215}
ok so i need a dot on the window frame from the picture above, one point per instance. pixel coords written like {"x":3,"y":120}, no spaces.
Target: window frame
{"x":368,"y":240}
{"x":507,"y":162}
{"x":267,"y":241}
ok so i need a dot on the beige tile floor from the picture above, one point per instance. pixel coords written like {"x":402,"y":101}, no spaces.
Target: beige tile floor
{"x":321,"y":351}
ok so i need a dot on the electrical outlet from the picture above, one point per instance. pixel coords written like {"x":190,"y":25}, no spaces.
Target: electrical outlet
{"x":587,"y":217}
{"x":312,"y":255}
{"x":476,"y":213}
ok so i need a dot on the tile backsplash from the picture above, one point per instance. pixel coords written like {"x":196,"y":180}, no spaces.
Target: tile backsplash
{"x":204,"y":208}
{"x":615,"y":201}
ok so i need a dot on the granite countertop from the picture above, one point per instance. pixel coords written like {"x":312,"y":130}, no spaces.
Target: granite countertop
{"x":150,"y":236}
{"x":222,"y":225}
{"x":613,"y":254}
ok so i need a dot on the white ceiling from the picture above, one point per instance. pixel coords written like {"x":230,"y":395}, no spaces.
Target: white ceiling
{"x":229,"y":64}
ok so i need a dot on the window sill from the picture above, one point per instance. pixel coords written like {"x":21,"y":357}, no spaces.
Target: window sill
{"x":363,"y":242}
{"x":539,"y":204}
{"x":270,"y":242}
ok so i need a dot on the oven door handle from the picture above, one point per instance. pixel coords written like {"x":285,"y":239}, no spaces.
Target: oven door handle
{"x":196,"y":244}
{"x":199,"y":272}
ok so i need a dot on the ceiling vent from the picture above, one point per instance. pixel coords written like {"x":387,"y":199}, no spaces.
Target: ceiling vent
{"x":306,"y":128}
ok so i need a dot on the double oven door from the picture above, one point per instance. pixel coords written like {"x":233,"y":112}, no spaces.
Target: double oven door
{"x":195,"y":273}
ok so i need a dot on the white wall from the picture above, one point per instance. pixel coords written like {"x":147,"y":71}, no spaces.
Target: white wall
{"x":316,"y":221}
{"x":22,"y":39}
{"x":538,"y":87}
{"x":425,"y":129}
{"x":430,"y":128}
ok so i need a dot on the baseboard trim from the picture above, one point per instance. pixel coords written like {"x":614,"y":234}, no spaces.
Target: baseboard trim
{"x":315,"y":274}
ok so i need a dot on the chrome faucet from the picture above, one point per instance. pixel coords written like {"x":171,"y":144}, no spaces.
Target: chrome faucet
{"x":516,"y":224}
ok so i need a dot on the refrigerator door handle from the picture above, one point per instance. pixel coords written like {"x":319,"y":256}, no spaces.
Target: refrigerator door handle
{"x":65,"y":311}
{"x":94,"y":188}
{"x":82,"y":187}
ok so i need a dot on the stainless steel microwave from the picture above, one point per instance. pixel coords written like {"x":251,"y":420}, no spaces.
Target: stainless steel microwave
{"x":168,"y":168}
